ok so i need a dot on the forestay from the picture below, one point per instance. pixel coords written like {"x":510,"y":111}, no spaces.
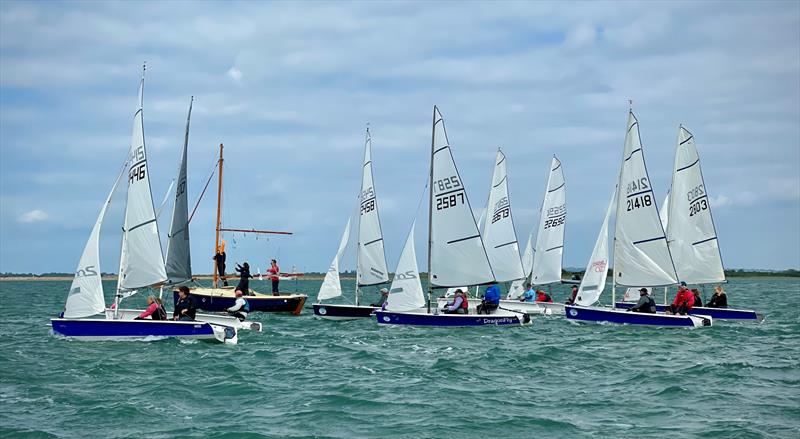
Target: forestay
{"x":596,"y":273}
{"x":499,"y":236}
{"x":549,"y":249}
{"x":179,"y":261}
{"x":142,"y":263}
{"x":371,"y":259}
{"x":641,"y":255}
{"x":86,"y":292}
{"x":691,"y":235}
{"x":406,"y":292}
{"x":331,"y":287}
{"x":457,"y":254}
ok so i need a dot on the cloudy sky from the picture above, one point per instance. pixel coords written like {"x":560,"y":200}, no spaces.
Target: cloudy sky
{"x":289,"y":88}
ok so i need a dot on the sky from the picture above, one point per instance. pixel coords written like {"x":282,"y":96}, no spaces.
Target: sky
{"x":289,"y":88}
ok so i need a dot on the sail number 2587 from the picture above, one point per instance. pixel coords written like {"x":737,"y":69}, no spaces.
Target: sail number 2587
{"x":453,"y":184}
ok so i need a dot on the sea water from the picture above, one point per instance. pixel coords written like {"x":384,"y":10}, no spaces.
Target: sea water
{"x":304,"y":377}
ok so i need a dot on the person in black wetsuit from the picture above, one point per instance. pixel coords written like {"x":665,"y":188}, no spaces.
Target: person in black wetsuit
{"x":244,"y":278}
{"x":697,"y":300}
{"x":646,"y":303}
{"x":719,"y":299}
{"x":185,"y":308}
{"x":219,"y":258}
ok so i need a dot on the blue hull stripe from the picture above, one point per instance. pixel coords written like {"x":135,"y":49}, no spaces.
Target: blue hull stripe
{"x":130,"y":328}
{"x":631,"y":318}
{"x":716,"y":313}
{"x":396,"y":318}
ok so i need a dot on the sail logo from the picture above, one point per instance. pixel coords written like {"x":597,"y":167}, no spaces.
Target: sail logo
{"x":407,"y":275}
{"x":500,"y":320}
{"x":599,"y":266}
{"x":88,"y":270}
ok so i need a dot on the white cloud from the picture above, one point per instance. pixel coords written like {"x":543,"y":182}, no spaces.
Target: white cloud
{"x":235,"y":74}
{"x":33,"y":216}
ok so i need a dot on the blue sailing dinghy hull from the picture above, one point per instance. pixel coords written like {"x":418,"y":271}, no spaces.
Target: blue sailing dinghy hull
{"x":343,"y":312}
{"x":716,"y":313}
{"x":420,"y":319}
{"x":104,"y":329}
{"x":592,"y":314}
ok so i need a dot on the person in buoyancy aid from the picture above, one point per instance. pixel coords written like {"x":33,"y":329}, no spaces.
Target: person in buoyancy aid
{"x":646,"y":303}
{"x":155,"y":310}
{"x":244,"y":278}
{"x":185,"y":308}
{"x":719,"y":299}
{"x":573,"y":296}
{"x":684,"y":301}
{"x":240,"y":308}
{"x":541,"y":296}
{"x":460,"y":304}
{"x":698,"y":301}
{"x":491,"y":300}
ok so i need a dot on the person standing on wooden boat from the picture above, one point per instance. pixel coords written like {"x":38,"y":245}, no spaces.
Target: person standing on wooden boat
{"x":572,"y":297}
{"x":219,"y":258}
{"x":244,"y":277}
{"x":541,"y":296}
{"x":240,"y":308}
{"x":275,"y":271}
{"x":460,"y":304}
{"x":646,"y":303}
{"x":154,"y":310}
{"x":491,"y":300}
{"x":382,"y":300}
{"x":185,"y":308}
{"x":698,"y":301}
{"x":683,"y":302}
{"x":719,"y":299}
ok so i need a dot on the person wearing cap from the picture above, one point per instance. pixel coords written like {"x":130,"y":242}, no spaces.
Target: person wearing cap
{"x":382,"y":300}
{"x":185,"y":308}
{"x":491,"y":299}
{"x":240,"y":308}
{"x":572,"y":296}
{"x":646,"y":303}
{"x":683,"y":302}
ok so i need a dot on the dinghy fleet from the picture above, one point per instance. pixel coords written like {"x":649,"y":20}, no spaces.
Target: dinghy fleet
{"x":651,"y":249}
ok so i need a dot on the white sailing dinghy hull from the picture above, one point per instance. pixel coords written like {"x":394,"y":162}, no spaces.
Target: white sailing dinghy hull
{"x":422,"y":318}
{"x":531,"y":308}
{"x":130,"y":314}
{"x":597,"y":314}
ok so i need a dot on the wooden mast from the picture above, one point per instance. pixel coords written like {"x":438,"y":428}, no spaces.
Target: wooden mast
{"x":219,"y":213}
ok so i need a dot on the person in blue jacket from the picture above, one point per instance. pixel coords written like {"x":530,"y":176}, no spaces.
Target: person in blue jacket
{"x":529,"y":295}
{"x":491,"y":299}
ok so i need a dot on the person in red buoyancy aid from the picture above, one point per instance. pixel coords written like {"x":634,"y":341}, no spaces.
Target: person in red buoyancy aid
{"x":275,"y":271}
{"x":541,"y":296}
{"x":460,"y":304}
{"x":683,"y":302}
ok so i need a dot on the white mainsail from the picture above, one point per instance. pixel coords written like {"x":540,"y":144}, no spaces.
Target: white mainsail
{"x":518,"y":286}
{"x":179,"y":261}
{"x":641,"y":255}
{"x":499,"y":235}
{"x":371,"y":258}
{"x":549,"y":249}
{"x":457,"y":254}
{"x":691,"y":235}
{"x":406,"y":293}
{"x":594,"y":278}
{"x":331,"y":287}
{"x":663,"y":213}
{"x":142,"y":263}
{"x":86,"y":292}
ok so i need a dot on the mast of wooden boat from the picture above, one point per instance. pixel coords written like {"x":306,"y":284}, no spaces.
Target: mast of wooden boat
{"x":219,"y":212}
{"x":430,"y":205}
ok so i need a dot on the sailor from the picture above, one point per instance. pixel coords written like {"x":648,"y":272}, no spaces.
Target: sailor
{"x":529,"y":295}
{"x":646,"y":303}
{"x":460,"y":304}
{"x":541,"y":296}
{"x":697,"y":300}
{"x":719,"y":299}
{"x":275,"y":271}
{"x":491,"y":299}
{"x":240,"y":308}
{"x":219,"y":258}
{"x":185,"y":308}
{"x":382,"y":300}
{"x":244,"y":278}
{"x":683,"y":302}
{"x":154,"y":310}
{"x":572,"y":297}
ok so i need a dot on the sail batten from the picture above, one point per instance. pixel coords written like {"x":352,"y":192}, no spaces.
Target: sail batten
{"x":548,"y":251}
{"x":499,"y":236}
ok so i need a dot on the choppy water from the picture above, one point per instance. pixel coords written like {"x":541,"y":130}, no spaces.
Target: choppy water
{"x":307,"y":378}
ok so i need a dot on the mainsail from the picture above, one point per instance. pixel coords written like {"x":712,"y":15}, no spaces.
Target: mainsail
{"x":549,"y":250}
{"x":456,"y":253}
{"x":142,"y":263}
{"x":691,"y":235}
{"x":406,"y":293}
{"x":518,"y":286}
{"x":179,"y":261}
{"x":499,"y":236}
{"x":331,"y":287}
{"x":86,"y":292}
{"x":594,"y":278}
{"x":641,"y":255}
{"x":371,"y":258}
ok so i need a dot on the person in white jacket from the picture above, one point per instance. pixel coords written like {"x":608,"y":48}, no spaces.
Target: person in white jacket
{"x":240,"y":307}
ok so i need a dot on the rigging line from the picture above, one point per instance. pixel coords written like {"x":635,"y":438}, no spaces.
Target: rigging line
{"x":197,"y":204}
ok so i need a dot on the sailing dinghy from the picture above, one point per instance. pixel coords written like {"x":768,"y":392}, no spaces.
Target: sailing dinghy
{"x":641,"y":254}
{"x":691,"y":235}
{"x":179,"y":262}
{"x":456,"y":252}
{"x":370,"y":256}
{"x":141,"y":266}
